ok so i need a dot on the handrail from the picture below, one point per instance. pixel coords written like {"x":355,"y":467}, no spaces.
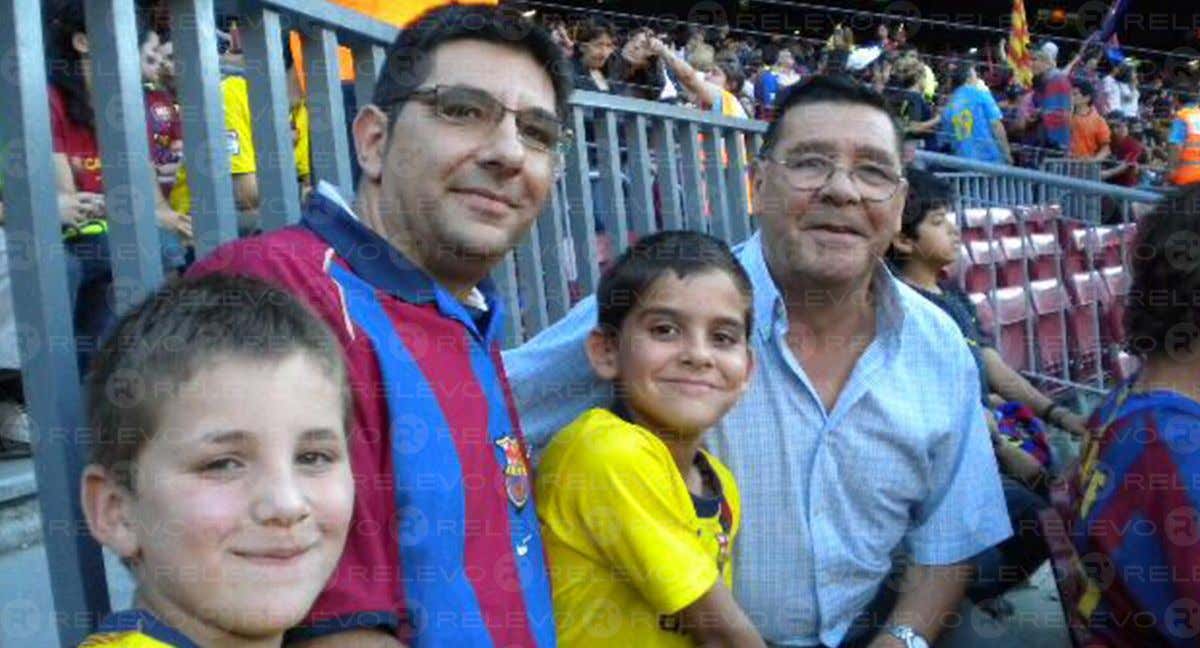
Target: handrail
{"x":1049,"y":179}
{"x":588,"y":99}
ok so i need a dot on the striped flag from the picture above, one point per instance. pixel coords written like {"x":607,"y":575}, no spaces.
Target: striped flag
{"x":1016,"y":51}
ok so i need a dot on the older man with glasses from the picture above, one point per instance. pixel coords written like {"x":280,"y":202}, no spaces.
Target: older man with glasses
{"x":458,"y":151}
{"x":861,"y":438}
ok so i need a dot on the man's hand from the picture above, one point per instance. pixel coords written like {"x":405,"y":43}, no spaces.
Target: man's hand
{"x":75,"y":208}
{"x":885,"y":640}
{"x":1073,"y":423}
{"x":174,"y":221}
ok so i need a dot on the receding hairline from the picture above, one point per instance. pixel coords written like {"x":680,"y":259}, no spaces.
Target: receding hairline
{"x":829,"y":138}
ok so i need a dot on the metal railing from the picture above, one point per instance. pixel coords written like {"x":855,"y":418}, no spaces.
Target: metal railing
{"x":656,"y":167}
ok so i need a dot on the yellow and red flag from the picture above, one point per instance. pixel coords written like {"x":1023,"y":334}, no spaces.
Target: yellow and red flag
{"x":1016,"y":51}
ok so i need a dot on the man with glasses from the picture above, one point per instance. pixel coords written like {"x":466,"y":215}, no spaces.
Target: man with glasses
{"x":458,"y":152}
{"x":861,"y":435}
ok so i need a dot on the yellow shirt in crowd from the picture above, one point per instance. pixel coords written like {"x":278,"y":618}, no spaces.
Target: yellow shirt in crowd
{"x":626,"y":548}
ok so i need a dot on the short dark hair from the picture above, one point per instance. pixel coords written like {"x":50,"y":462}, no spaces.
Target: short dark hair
{"x":926,"y":193}
{"x":1163,"y":312}
{"x":186,"y":326}
{"x":961,"y":73}
{"x":408,"y":60}
{"x":1085,"y":88}
{"x":682,"y":252}
{"x":593,"y":28}
{"x":832,"y":89}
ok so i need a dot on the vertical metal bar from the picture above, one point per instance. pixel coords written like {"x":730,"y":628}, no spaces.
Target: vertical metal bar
{"x":755,"y":152}
{"x":551,"y":238}
{"x":693,"y":206}
{"x":579,"y":196}
{"x":48,"y":364}
{"x":279,"y":191}
{"x":505,"y":276}
{"x":715,"y":190}
{"x":641,"y":182}
{"x":129,"y":185}
{"x":531,"y":287}
{"x":668,"y":174}
{"x":330,"y":150}
{"x":738,"y":186}
{"x":206,"y":154}
{"x":609,"y":159}
{"x":368,"y":62}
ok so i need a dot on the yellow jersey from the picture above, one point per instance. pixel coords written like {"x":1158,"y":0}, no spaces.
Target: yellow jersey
{"x":627,"y":544}
{"x":239,"y":140}
{"x":136,"y":629}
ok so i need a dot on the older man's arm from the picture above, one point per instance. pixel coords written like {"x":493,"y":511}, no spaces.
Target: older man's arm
{"x":929,"y":595}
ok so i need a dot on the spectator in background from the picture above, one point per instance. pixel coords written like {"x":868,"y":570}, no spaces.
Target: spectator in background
{"x":163,"y":124}
{"x":1052,"y":97}
{"x":971,"y":120}
{"x":1127,"y":150}
{"x":1121,"y":91}
{"x":1090,"y":137}
{"x":642,"y":70}
{"x":908,"y":102}
{"x":1184,"y":140}
{"x":1139,"y":460}
{"x":785,"y":68}
{"x":80,"y":183}
{"x":703,"y":78}
{"x":595,"y":41}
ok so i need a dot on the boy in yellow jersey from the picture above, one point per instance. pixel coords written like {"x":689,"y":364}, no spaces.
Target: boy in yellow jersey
{"x":219,"y":473}
{"x":638,"y":520}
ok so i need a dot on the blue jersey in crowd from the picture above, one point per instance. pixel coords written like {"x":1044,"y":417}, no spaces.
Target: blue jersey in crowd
{"x":966,"y":124}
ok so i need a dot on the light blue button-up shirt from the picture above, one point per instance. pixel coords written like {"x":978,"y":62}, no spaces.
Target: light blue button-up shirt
{"x":904,"y":457}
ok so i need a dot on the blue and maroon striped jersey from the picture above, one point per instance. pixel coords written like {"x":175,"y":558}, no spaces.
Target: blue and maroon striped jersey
{"x":444,"y":546}
{"x":1132,"y":519}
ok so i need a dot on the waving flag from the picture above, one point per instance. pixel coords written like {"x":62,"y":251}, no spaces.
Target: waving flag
{"x":1016,"y":52}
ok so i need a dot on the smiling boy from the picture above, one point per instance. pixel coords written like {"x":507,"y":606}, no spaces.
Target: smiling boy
{"x":638,"y":520}
{"x":220,"y":474}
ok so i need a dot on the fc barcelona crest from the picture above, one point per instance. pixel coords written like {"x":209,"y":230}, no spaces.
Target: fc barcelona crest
{"x":516,"y":471}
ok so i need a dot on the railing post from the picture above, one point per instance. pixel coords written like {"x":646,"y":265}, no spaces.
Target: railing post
{"x":327,"y":113}
{"x":206,"y":154}
{"x":279,"y":191}
{"x":130,"y":188}
{"x":48,"y":363}
{"x":579,"y":197}
{"x":641,"y":182}
{"x":609,"y":159}
{"x":668,"y":174}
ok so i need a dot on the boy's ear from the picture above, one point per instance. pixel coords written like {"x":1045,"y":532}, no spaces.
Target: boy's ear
{"x":106,"y":507}
{"x":601,"y":347}
{"x":904,"y":244}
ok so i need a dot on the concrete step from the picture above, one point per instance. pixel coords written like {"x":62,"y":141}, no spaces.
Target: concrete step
{"x":16,"y":479}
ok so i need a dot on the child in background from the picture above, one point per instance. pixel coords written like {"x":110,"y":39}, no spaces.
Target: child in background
{"x":639,"y":521}
{"x":219,"y":470}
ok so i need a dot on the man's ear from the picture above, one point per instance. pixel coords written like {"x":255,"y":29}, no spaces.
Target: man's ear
{"x":601,"y":346}
{"x":79,"y":41}
{"x":106,"y":507}
{"x":370,"y":140}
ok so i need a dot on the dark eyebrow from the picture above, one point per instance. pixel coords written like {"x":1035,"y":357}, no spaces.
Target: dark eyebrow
{"x":225,"y":437}
{"x":319,"y":434}
{"x":658,"y":310}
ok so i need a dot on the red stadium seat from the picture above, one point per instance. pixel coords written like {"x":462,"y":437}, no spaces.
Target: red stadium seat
{"x":1109,"y":238}
{"x":1088,"y":294}
{"x":1050,"y":305}
{"x":1012,"y":312}
{"x":1012,"y":271}
{"x":1036,"y":218}
{"x":1117,"y":281}
{"x":984,"y":255}
{"x":974,"y":223}
{"x":1044,"y":254}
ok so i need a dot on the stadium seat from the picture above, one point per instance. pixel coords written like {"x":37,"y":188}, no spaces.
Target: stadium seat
{"x":1109,"y":239}
{"x":1117,"y":281}
{"x":1012,"y":271}
{"x":1126,"y":365}
{"x":974,"y":223}
{"x":984,"y":256}
{"x":1012,"y":314}
{"x":1050,"y":305}
{"x":1037,"y":219}
{"x":1044,"y":254}
{"x":1088,"y":294}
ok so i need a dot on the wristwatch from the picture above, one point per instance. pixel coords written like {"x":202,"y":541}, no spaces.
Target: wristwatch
{"x":910,"y":637}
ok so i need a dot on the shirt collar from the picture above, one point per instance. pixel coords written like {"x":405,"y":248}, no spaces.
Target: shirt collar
{"x":146,"y":623}
{"x":770,"y":308}
{"x":375,"y":260}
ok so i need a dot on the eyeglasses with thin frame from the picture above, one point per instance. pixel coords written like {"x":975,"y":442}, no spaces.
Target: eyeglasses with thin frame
{"x":810,"y":171}
{"x":474,"y":108}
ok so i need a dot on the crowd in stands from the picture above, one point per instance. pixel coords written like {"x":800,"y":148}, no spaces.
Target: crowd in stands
{"x":967,"y":103}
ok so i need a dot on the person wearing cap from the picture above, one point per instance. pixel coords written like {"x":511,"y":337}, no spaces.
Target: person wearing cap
{"x":1090,"y":137}
{"x":1052,"y":97}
